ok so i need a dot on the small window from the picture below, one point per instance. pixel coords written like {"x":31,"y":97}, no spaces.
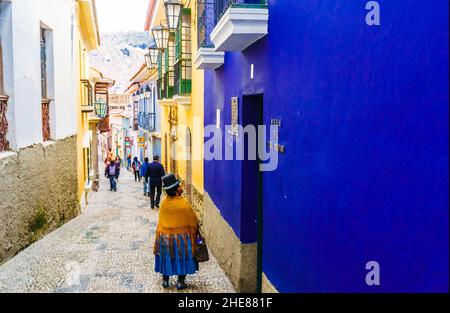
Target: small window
{"x":183,"y":66}
{"x":43,"y":65}
{"x":45,"y":102}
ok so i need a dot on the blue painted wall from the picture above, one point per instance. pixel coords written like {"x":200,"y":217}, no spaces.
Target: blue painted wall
{"x":364,"y":115}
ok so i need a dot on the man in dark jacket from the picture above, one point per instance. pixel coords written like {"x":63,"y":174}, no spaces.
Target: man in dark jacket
{"x":142,"y":173}
{"x":154,"y":173}
{"x":112,"y":172}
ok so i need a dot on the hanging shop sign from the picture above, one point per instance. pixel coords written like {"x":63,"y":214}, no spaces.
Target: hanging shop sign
{"x":141,"y":141}
{"x":118,"y":102}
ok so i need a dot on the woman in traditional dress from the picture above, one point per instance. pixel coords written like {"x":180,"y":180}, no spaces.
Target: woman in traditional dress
{"x":175,"y":235}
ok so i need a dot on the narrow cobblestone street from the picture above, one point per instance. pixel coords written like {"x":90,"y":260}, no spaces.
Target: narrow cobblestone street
{"x":108,"y":248}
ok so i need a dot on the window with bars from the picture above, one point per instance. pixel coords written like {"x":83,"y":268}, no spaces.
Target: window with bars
{"x":169,"y":63}
{"x":183,"y":65}
{"x":87,"y":93}
{"x":166,"y":75}
{"x":43,"y":64}
{"x":160,"y":82}
{"x":45,"y":103}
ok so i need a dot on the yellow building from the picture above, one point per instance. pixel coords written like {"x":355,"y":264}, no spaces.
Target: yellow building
{"x":180,"y":94}
{"x":86,"y":39}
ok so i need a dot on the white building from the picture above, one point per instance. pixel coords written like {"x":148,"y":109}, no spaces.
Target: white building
{"x":38,"y":88}
{"x":146,"y":114}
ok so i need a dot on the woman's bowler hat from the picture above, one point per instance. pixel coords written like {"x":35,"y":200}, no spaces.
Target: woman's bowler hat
{"x":170,"y":181}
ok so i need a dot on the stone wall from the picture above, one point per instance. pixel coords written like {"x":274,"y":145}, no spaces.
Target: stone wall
{"x":38,"y":192}
{"x":197,"y":203}
{"x":267,"y":286}
{"x":237,"y":259}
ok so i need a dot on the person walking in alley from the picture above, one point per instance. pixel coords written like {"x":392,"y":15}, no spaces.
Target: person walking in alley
{"x":112,"y":173}
{"x":136,"y":165}
{"x":154,"y":173}
{"x":118,"y":164}
{"x":176,"y":235}
{"x":142,"y":174}
{"x":128,"y":161}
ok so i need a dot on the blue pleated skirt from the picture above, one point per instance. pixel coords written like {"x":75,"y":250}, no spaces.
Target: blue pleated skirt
{"x":181,"y":262}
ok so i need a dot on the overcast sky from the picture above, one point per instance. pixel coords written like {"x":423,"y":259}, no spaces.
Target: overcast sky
{"x":120,"y":15}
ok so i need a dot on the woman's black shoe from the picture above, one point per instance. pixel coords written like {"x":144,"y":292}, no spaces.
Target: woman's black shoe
{"x":181,"y":286}
{"x":165,"y":283}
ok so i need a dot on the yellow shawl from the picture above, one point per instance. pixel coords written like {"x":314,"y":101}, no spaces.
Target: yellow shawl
{"x":176,"y":217}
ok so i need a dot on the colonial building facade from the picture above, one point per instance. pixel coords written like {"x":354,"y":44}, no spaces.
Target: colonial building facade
{"x":41,"y":64}
{"x":179,"y":95}
{"x":146,"y":120}
{"x":86,"y":38}
{"x":362,"y":144}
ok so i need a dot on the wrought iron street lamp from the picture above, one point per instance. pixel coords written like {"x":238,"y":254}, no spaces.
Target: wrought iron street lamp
{"x":147,"y":92}
{"x":161,"y":35}
{"x":100,"y":108}
{"x":148,"y":60}
{"x":141,"y":94}
{"x":138,"y":95}
{"x":173,"y":9}
{"x":153,"y":51}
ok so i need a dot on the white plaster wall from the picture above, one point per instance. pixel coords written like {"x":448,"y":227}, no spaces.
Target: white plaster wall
{"x":27,"y":16}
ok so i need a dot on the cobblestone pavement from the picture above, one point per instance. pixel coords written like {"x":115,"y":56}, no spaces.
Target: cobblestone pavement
{"x":108,"y":248}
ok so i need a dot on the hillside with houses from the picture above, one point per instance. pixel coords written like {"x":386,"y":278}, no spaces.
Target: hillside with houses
{"x":119,"y":56}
